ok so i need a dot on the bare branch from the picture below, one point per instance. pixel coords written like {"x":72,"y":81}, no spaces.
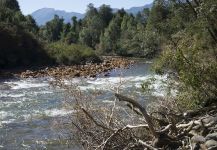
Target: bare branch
{"x":147,"y":145}
{"x":142,"y":109}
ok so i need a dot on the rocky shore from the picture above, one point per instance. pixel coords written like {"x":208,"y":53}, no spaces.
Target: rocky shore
{"x":87,"y":70}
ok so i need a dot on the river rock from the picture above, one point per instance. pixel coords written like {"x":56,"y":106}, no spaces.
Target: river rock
{"x":211,"y":144}
{"x":78,"y":70}
{"x":107,"y":74}
{"x":212,"y":136}
{"x":198,"y":139}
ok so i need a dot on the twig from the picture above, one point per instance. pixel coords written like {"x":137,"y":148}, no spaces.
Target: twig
{"x":122,"y":129}
{"x":113,"y":108}
{"x":147,"y":145}
{"x":167,"y":128}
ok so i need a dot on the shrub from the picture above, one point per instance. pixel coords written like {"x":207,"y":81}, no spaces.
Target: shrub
{"x":71,"y":54}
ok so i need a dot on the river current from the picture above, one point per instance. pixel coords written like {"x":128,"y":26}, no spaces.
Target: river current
{"x":29,"y":106}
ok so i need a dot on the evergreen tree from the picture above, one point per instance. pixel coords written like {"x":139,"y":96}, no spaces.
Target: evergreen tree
{"x":11,"y":4}
{"x":105,"y":13}
{"x":52,"y":30}
{"x":93,"y":26}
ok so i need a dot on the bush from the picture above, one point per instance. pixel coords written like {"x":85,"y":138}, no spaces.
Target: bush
{"x":19,"y":48}
{"x":72,"y":54}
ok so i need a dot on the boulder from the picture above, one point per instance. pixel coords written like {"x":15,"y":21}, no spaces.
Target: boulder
{"x":211,"y":144}
{"x":212,"y":136}
{"x":198,"y":139}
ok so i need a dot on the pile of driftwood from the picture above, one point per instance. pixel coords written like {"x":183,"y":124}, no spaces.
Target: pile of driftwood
{"x":191,"y":130}
{"x":158,"y":130}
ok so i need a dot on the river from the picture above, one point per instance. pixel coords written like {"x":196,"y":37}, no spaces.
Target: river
{"x":28,"y":107}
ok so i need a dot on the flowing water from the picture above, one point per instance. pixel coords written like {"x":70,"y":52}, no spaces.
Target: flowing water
{"x":29,"y":106}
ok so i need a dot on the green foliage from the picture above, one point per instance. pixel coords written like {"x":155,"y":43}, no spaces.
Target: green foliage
{"x":71,"y":54}
{"x":52,"y":30}
{"x":109,"y":40}
{"x":191,"y":55}
{"x":105,"y":13}
{"x":30,"y":25}
{"x":139,"y":36}
{"x":93,"y":26}
{"x":70,"y":32}
{"x":11,"y":4}
{"x":10,"y":16}
{"x":19,"y":48}
{"x":18,"y":45}
{"x":90,"y":34}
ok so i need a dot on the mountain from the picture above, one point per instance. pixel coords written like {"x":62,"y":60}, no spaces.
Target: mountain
{"x":46,"y":14}
{"x":135,"y":10}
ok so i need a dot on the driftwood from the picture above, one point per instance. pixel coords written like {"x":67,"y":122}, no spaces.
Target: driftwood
{"x":164,"y":128}
{"x":147,"y":145}
{"x":185,"y":132}
{"x":161,"y":139}
{"x":142,"y":109}
{"x":173,"y":134}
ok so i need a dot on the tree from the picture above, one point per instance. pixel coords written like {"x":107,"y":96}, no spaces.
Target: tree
{"x":158,"y":16}
{"x":105,"y":13}
{"x":142,"y":17}
{"x":109,"y":40}
{"x":74,"y":24}
{"x":93,"y":26}
{"x":91,"y":10}
{"x":191,"y":53}
{"x":52,"y":30}
{"x":128,"y":31}
{"x":11,"y":4}
{"x":31,"y":25}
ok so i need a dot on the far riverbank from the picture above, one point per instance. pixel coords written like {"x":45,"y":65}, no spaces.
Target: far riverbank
{"x":63,"y":71}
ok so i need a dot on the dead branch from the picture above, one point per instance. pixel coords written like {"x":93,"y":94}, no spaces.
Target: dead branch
{"x":117,"y":132}
{"x":186,"y":131}
{"x":161,"y":139}
{"x":166,"y":129}
{"x":142,"y":109}
{"x":147,"y":145}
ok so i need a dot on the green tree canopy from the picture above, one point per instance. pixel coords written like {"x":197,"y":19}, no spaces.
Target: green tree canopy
{"x":11,"y":4}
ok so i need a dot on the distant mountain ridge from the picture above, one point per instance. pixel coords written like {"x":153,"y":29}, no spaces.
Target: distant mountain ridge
{"x":135,"y":10}
{"x":46,"y":14}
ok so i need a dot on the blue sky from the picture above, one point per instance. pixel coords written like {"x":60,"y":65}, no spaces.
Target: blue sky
{"x":29,"y":6}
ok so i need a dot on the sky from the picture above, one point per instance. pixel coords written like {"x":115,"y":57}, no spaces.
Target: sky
{"x":29,"y":6}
